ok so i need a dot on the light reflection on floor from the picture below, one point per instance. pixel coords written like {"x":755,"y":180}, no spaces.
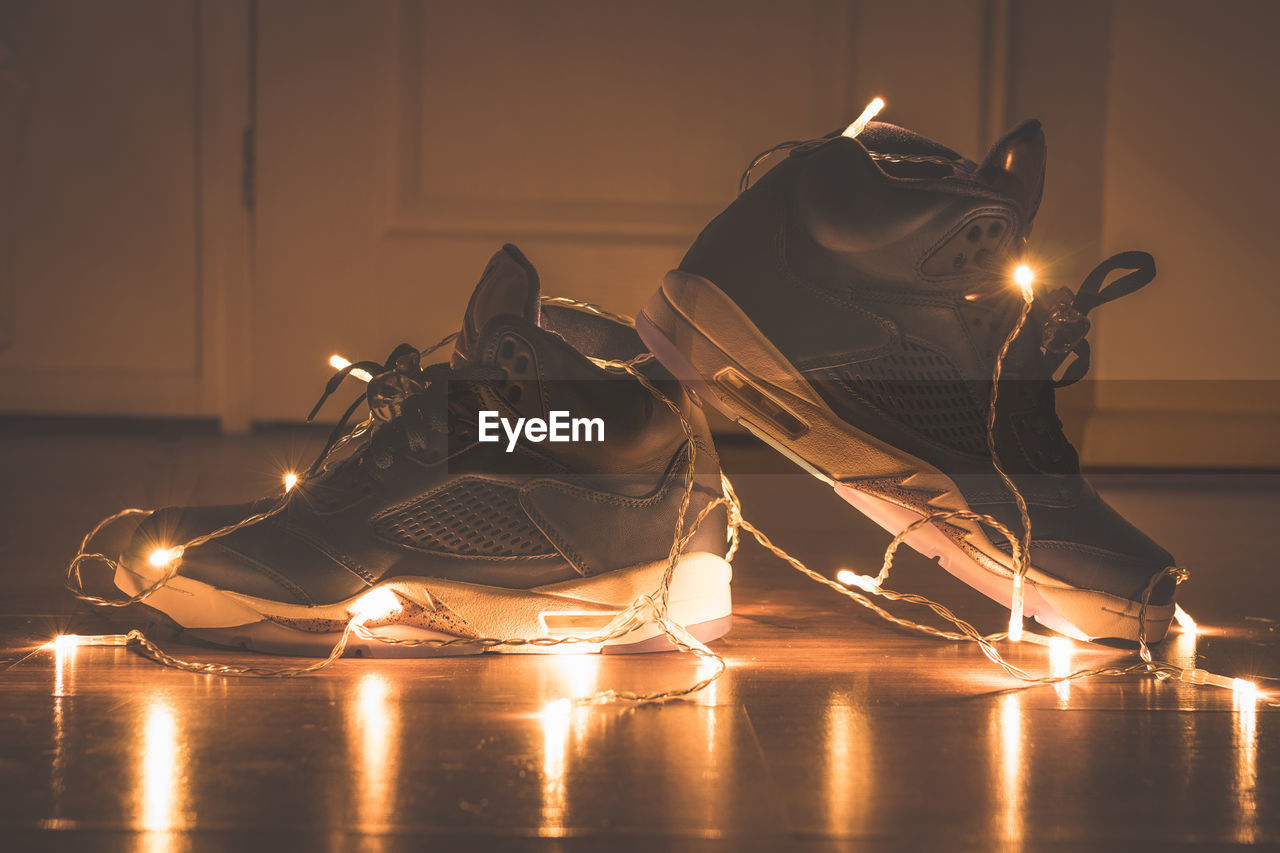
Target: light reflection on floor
{"x":374,"y":732}
{"x":1060,"y":665}
{"x":850,"y":766}
{"x":161,"y":774}
{"x":574,"y":678}
{"x":1246,"y":775}
{"x":1010,"y":765}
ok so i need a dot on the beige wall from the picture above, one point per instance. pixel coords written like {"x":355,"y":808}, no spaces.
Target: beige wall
{"x":399,"y":142}
{"x":1191,"y":368}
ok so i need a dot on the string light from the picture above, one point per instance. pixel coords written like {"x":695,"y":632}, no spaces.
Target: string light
{"x":162,"y":557}
{"x":1015,"y":610}
{"x":290,"y":480}
{"x":652,"y":608}
{"x":378,"y":603}
{"x":1025,"y":277}
{"x":337,"y":362}
{"x":861,"y":122}
{"x":1247,"y":689}
{"x":1184,"y":620}
{"x":863,"y":582}
{"x":63,"y":642}
{"x":382,"y":602}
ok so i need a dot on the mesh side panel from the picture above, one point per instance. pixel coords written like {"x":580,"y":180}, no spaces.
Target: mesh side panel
{"x":921,"y":389}
{"x":471,"y":517}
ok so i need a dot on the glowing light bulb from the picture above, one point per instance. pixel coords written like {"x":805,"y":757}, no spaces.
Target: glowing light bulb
{"x":66,"y":642}
{"x":860,"y":123}
{"x":1025,"y":277}
{"x":1015,"y":611}
{"x":378,"y":603}
{"x":290,"y":480}
{"x":1246,"y":689}
{"x":162,"y":557}
{"x":1184,"y":620}
{"x":337,"y":362}
{"x":863,"y":582}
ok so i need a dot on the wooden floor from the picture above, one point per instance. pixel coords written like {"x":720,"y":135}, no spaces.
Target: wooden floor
{"x":830,"y":730}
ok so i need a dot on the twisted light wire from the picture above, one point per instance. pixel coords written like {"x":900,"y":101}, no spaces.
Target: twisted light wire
{"x":652,"y":608}
{"x":1022,"y":555}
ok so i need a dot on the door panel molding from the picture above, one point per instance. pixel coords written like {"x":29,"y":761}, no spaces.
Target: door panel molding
{"x":590,"y":201}
{"x":161,"y":346}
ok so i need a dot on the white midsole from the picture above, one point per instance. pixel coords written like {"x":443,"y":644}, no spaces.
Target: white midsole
{"x":588,"y":606}
{"x":1081,"y":613}
{"x":698,"y":323}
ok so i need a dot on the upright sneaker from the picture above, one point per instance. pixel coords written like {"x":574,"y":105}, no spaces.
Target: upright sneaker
{"x":465,"y":536}
{"x":849,"y":309}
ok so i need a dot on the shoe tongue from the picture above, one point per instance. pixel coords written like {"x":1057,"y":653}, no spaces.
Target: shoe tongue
{"x":508,"y":287}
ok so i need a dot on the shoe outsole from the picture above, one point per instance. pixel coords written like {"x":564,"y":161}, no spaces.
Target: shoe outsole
{"x":438,"y":611}
{"x":691,"y":326}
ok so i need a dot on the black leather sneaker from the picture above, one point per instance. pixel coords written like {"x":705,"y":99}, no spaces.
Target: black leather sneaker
{"x":465,"y":537}
{"x":848,"y":309}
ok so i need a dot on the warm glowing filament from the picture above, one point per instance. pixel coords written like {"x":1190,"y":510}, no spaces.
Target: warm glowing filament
{"x":1184,"y":620}
{"x":863,"y":582}
{"x":1247,"y":689}
{"x":1025,"y":277}
{"x":337,"y":362}
{"x":290,"y":480}
{"x":162,"y":557}
{"x":860,"y":123}
{"x":378,"y":603}
{"x":1060,"y":665}
{"x":1015,"y":610}
{"x":64,"y":642}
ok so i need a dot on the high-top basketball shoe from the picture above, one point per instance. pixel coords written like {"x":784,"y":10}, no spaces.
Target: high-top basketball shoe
{"x":849,"y":309}
{"x":466,"y":537}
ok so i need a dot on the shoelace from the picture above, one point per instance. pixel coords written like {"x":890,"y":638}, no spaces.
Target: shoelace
{"x":403,"y":392}
{"x":652,"y":607}
{"x":1066,"y":320}
{"x":1060,"y":320}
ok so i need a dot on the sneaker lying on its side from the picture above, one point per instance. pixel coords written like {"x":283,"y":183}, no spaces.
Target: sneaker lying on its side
{"x":551,"y":539}
{"x":849,"y":309}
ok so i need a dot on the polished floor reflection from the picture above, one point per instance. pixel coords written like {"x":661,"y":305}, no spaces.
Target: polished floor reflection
{"x":829,"y":728}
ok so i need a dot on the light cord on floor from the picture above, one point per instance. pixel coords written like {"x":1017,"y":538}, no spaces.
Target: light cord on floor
{"x":653,"y":608}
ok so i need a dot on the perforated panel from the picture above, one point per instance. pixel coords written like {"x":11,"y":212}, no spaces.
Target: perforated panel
{"x":471,"y":517}
{"x":921,"y":389}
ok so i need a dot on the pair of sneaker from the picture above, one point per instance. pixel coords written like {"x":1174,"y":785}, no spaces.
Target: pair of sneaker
{"x":848,"y":309}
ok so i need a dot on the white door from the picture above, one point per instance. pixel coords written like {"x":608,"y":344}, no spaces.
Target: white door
{"x":119,"y":227}
{"x":201,"y":200}
{"x":401,"y":142}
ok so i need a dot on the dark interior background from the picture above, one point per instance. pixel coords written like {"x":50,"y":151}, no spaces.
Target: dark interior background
{"x":200,"y":201}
